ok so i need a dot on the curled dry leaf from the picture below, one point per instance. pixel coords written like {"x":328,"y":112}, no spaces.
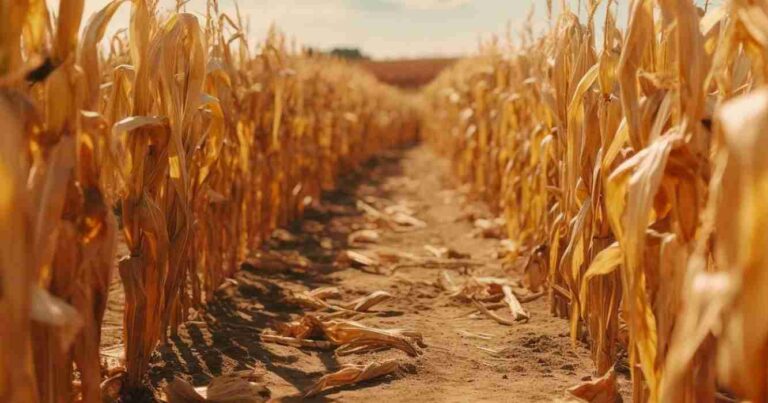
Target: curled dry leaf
{"x":314,"y":299}
{"x":306,"y":327}
{"x":363,"y":236}
{"x":397,"y":216}
{"x":358,"y":259}
{"x":388,"y":255}
{"x":399,"y":208}
{"x":350,"y":335}
{"x":351,"y":374}
{"x":600,"y":390}
{"x":346,"y":332}
{"x":488,"y":289}
{"x":371,"y":211}
{"x":518,"y":313}
{"x":407,"y":220}
{"x":474,"y":288}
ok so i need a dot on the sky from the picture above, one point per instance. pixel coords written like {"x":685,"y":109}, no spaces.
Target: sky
{"x":380,"y":28}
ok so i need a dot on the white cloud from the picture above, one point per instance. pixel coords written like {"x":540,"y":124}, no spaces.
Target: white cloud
{"x":431,"y":4}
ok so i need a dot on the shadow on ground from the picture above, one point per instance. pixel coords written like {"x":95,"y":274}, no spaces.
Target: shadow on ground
{"x":225,"y":336}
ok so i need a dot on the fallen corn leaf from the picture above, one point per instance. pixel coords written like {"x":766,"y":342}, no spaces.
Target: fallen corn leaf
{"x":363,"y":236}
{"x":351,"y":374}
{"x":314,"y":299}
{"x":358,"y":259}
{"x":514,"y":305}
{"x":600,"y":390}
{"x":350,"y":334}
{"x":404,"y":219}
{"x":363,"y":304}
{"x":492,"y":315}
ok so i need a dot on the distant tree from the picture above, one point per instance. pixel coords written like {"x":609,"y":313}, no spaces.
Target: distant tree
{"x":349,"y":53}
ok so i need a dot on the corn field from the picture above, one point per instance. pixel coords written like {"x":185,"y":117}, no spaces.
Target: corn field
{"x":203,"y":147}
{"x":630,"y":174}
{"x":626,"y":163}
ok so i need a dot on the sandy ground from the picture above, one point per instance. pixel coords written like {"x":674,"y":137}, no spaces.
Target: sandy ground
{"x":467,"y":359}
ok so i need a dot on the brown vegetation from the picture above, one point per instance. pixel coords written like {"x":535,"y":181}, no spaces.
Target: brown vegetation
{"x":204,"y":147}
{"x":628,"y":172}
{"x":630,"y":175}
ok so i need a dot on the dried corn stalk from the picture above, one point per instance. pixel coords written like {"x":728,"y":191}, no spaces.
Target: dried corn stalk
{"x":603,"y":156}
{"x":202,"y":147}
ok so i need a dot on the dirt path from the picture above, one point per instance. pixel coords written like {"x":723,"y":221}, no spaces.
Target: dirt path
{"x":535,"y":361}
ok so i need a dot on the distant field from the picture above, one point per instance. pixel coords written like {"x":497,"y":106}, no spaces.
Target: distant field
{"x":408,"y":73}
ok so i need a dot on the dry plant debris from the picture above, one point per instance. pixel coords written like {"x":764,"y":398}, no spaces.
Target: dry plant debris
{"x":397,"y":217}
{"x":202,"y":143}
{"x":349,"y":336}
{"x":485,"y":293}
{"x":353,"y":373}
{"x":627,"y":170}
{"x":314,"y":299}
{"x":359,"y":259}
{"x":333,"y":330}
{"x":363,"y":236}
{"x":600,"y":390}
{"x":222,"y":389}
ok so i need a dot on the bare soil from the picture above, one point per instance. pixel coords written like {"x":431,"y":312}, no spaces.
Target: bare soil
{"x":528,"y":362}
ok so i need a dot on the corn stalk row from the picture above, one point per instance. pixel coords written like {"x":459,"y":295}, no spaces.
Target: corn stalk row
{"x":632,"y":176}
{"x":176,"y":136}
